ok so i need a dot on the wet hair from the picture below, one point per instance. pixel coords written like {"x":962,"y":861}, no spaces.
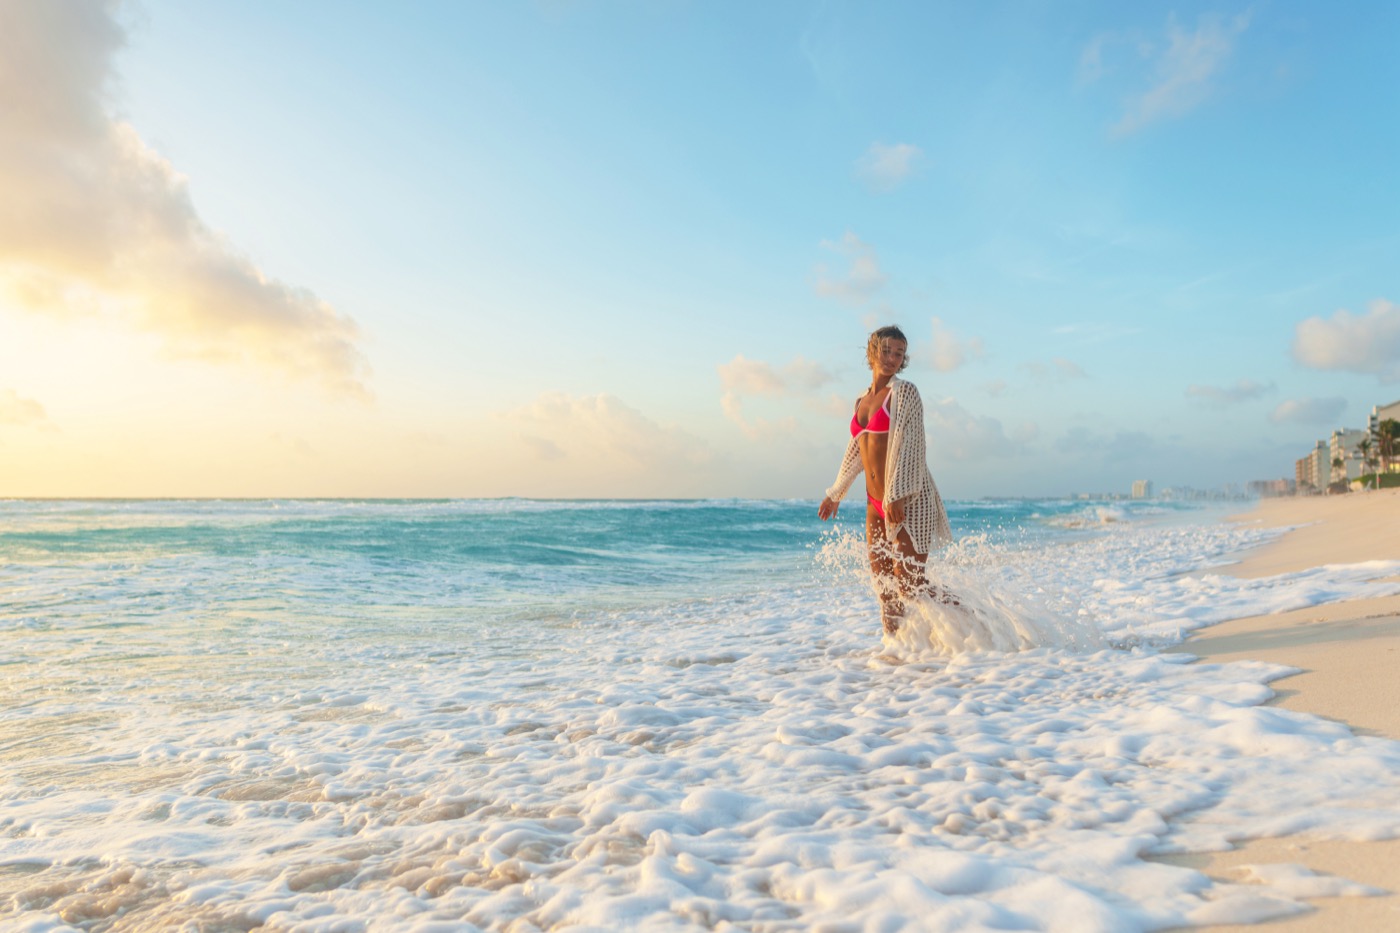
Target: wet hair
{"x":872,"y":346}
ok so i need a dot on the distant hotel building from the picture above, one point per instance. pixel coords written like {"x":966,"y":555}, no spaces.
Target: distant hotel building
{"x":1338,"y":461}
{"x":1313,"y":472}
{"x":1381,"y":413}
{"x":1268,"y":488}
{"x":1142,"y":489}
{"x":1342,"y":446}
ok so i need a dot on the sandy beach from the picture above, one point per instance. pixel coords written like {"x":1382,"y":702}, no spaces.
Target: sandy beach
{"x":1346,"y":653}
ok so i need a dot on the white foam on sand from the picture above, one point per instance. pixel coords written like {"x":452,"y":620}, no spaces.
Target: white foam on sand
{"x":746,"y":763}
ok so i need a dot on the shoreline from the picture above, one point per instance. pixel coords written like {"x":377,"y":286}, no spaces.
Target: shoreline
{"x":1346,"y":655}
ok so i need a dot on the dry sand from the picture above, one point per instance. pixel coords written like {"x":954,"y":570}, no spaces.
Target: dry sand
{"x":1348,"y":654}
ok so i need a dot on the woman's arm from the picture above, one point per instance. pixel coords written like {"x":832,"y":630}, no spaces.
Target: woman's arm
{"x":851,"y":467}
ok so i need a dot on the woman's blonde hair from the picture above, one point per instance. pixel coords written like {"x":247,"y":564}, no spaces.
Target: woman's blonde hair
{"x":872,"y":346}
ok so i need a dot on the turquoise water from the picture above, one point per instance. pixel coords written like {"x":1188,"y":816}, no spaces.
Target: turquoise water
{"x":438,"y":564}
{"x":171,"y":594}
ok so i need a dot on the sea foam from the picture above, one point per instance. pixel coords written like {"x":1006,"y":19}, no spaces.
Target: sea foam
{"x":750,"y":756}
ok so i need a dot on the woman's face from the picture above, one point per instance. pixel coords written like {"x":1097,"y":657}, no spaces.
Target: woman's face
{"x":890,"y":357}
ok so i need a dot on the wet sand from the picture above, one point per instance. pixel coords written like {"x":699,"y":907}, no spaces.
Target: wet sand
{"x":1348,"y":657}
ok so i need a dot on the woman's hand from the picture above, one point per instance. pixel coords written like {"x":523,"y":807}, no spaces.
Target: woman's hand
{"x":827,"y":509}
{"x":895,"y":510}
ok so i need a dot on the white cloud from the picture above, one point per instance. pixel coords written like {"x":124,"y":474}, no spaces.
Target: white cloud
{"x":1221,"y":396}
{"x":756,"y":377}
{"x":1025,"y":432}
{"x":543,"y":447}
{"x":1358,"y":343}
{"x":1177,"y":69}
{"x":884,"y":168}
{"x":95,"y":220}
{"x":602,"y":431}
{"x":1309,"y":411}
{"x":947,"y":351}
{"x":756,"y":427}
{"x":996,"y":388}
{"x":16,"y":409}
{"x":863,"y":277}
{"x":742,"y":377}
{"x":961,"y":435}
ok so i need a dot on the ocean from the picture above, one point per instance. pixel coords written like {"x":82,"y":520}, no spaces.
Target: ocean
{"x":673,"y":715}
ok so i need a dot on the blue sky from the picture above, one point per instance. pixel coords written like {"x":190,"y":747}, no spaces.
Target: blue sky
{"x":578,"y":249}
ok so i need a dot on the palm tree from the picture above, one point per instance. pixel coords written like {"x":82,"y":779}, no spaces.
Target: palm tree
{"x":1363,"y":447}
{"x":1387,"y":432}
{"x":1336,"y":465}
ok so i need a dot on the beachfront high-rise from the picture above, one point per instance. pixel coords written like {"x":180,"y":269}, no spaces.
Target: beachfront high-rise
{"x":1342,"y":446}
{"x":1142,"y":489}
{"x":1380,"y":414}
{"x":1312,"y":472}
{"x":1268,"y":488}
{"x":1351,"y":453}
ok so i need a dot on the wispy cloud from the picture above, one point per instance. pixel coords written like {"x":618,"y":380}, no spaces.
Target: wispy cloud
{"x":1177,"y":68}
{"x":604,"y":431}
{"x":884,"y":168}
{"x":964,"y":436}
{"x":947,"y":350}
{"x":543,"y":448}
{"x":19,"y":410}
{"x":96,"y":221}
{"x":1309,"y":411}
{"x":1058,"y":370}
{"x":1068,"y":369}
{"x":742,"y":377}
{"x":1360,"y":343}
{"x":298,"y":446}
{"x":863,"y":276}
{"x":756,"y":377}
{"x":822,"y":44}
{"x":1092,"y":66}
{"x":1223,"y":396}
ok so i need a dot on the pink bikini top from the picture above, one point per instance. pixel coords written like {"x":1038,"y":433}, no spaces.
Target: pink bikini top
{"x":879,"y":422}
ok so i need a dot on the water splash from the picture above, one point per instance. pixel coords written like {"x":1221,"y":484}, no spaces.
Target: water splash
{"x":986,"y":617}
{"x":982,"y":596}
{"x":1097,"y":516}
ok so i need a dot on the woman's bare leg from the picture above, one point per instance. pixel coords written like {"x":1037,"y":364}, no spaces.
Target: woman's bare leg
{"x":911,"y":567}
{"x":884,"y":570}
{"x":900,"y":572}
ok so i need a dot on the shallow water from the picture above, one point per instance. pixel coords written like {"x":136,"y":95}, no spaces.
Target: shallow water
{"x":517,"y":714}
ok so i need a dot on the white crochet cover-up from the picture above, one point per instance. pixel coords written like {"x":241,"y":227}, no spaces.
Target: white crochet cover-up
{"x":906,"y":473}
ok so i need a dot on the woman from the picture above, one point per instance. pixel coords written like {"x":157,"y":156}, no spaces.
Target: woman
{"x":904,"y":514}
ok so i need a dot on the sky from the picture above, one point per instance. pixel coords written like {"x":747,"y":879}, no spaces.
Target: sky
{"x":564,"y":248}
